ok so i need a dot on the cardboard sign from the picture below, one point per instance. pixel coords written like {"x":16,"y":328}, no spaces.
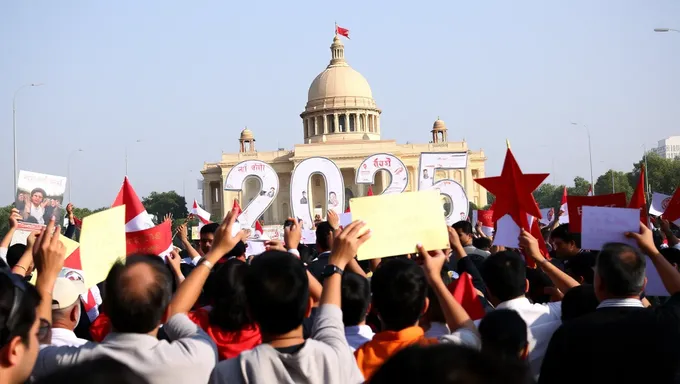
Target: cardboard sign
{"x":102,"y":243}
{"x":576,"y":203}
{"x":602,"y":225}
{"x":385,"y":216}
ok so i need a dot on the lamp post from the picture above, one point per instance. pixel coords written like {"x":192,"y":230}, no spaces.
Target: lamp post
{"x":590,"y":154}
{"x":14,"y":127}
{"x":68,"y":171}
{"x":126,"y":156}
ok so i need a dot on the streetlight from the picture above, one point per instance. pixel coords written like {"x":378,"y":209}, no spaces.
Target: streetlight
{"x":68,"y":171}
{"x":14,"y":127}
{"x":666,"y":30}
{"x":126,"y":156}
{"x":590,"y":153}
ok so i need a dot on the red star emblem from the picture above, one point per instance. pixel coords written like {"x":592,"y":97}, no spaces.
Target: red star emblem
{"x":513,"y":192}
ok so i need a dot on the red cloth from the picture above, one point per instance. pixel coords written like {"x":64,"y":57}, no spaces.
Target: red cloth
{"x":465,"y":294}
{"x":229,"y":344}
{"x":342,"y":31}
{"x":638,"y":199}
{"x":100,"y":327}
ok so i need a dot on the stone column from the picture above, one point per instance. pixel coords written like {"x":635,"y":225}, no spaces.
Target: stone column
{"x":377,"y":123}
{"x":335,"y":122}
{"x":325,"y":124}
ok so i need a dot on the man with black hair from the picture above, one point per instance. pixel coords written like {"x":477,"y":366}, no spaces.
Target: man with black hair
{"x":621,"y":340}
{"x":207,"y":235}
{"x":399,"y":287}
{"x":324,"y":245}
{"x":566,"y":244}
{"x":279,"y":299}
{"x":136,"y":301}
{"x":356,"y":302}
{"x":464,"y":230}
{"x":504,"y":335}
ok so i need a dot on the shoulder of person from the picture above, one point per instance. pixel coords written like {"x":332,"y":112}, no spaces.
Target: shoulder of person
{"x":464,"y":337}
{"x":228,"y":371}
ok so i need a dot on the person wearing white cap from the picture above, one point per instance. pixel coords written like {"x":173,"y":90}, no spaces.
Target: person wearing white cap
{"x":66,"y":312}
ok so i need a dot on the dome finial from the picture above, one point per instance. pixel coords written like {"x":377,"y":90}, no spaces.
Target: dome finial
{"x":337,"y":53}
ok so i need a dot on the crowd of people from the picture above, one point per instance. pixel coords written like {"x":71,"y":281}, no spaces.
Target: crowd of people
{"x":303,"y":314}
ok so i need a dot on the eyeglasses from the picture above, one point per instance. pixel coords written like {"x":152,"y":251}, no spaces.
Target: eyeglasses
{"x":19,"y":291}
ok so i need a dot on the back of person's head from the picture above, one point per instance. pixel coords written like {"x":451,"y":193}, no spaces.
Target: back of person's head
{"x":103,"y":370}
{"x":464,"y":226}
{"x":449,"y":364}
{"x":277,"y":289}
{"x":504,"y":335}
{"x":356,"y":297}
{"x":230,"y":311}
{"x":620,"y":271}
{"x":399,"y":290}
{"x":580,"y":267}
{"x":137,"y":294}
{"x":324,"y":232}
{"x":239,"y":250}
{"x":209,"y":228}
{"x":14,"y":253}
{"x":483,"y":243}
{"x":562,"y":233}
{"x":306,"y":253}
{"x":538,"y":282}
{"x":504,"y":274}
{"x":18,"y":303}
{"x":579,"y":301}
{"x":434,"y":309}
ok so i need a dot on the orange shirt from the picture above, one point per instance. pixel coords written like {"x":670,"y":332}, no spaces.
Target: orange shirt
{"x":384,"y":345}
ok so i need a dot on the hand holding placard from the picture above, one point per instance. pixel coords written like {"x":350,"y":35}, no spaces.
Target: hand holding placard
{"x":601,"y":225}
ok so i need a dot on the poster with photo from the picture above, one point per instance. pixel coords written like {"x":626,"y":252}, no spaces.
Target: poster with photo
{"x":387,"y":162}
{"x":269,"y":188}
{"x":300,"y":199}
{"x":39,"y":197}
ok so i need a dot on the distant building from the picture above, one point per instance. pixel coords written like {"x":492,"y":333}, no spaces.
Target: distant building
{"x":669,"y":148}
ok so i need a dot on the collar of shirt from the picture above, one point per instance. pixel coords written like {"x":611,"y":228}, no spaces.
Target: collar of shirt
{"x":131,"y":340}
{"x":514,"y":303}
{"x":361,"y":330}
{"x":406,"y":334}
{"x":620,"y":303}
{"x":66,"y":337}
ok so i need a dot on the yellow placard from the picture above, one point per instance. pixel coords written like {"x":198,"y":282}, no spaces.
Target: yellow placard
{"x":70,"y":247}
{"x":102,"y":242}
{"x":195,"y":233}
{"x":400,"y":221}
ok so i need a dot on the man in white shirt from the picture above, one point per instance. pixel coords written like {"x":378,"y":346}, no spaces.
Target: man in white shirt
{"x":356,"y":302}
{"x":66,"y":312}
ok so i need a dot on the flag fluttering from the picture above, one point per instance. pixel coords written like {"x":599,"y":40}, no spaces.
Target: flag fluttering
{"x":341,"y":31}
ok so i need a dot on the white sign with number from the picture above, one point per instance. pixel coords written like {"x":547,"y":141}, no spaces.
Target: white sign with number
{"x":300,"y":199}
{"x":269,"y":188}
{"x":384,"y":161}
{"x":454,"y":193}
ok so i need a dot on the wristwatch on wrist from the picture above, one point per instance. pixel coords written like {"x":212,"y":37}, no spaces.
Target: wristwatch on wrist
{"x":331,"y":269}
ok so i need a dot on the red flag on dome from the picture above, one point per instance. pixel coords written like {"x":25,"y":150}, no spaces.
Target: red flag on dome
{"x":341,"y":31}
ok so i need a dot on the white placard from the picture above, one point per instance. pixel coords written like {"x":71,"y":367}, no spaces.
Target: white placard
{"x":548,"y":216}
{"x":300,"y":197}
{"x":654,"y":285}
{"x":659,"y":203}
{"x":384,"y":161}
{"x":269,"y":188}
{"x":430,"y":162}
{"x":507,"y":231}
{"x":601,"y":225}
{"x":308,"y":236}
{"x":345,"y":219}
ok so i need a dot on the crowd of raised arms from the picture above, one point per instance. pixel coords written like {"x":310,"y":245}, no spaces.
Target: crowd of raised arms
{"x":471,"y":313}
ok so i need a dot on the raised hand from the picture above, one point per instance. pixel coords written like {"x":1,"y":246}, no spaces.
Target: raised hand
{"x":644,"y":240}
{"x":168,"y":217}
{"x":433,"y":262}
{"x":183,"y":232}
{"x":49,"y":251}
{"x":292,"y":234}
{"x":346,"y":243}
{"x":275,"y":245}
{"x":14,"y":218}
{"x":529,"y":244}
{"x":224,"y":240}
{"x":174,"y":260}
{"x":333,"y":219}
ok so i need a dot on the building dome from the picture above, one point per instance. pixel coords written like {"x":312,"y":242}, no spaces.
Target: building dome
{"x":340,"y":104}
{"x":438,"y":125}
{"x":246,"y":134}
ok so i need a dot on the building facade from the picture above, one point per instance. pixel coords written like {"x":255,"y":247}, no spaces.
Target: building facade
{"x":341,"y":122}
{"x":668,"y":148}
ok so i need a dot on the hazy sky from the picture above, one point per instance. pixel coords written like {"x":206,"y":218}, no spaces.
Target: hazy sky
{"x":186,"y":77}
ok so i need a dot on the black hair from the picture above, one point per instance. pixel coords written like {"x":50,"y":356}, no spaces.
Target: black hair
{"x":562,"y":233}
{"x":230,"y":311}
{"x":238,"y":250}
{"x":209,"y":228}
{"x":504,"y":274}
{"x":323,"y":229}
{"x":356,"y":297}
{"x":504,"y":334}
{"x":14,"y":253}
{"x":277,"y":289}
{"x":39,"y":190}
{"x":621,"y":269}
{"x":306,"y":253}
{"x":581,"y":265}
{"x":464,"y":226}
{"x":481,"y":243}
{"x":672,"y":255}
{"x":133,"y":308}
{"x":538,"y":282}
{"x":579,"y":301}
{"x":434,"y":310}
{"x":399,"y":290}
{"x":103,"y":370}
{"x":449,"y":364}
{"x":24,"y":317}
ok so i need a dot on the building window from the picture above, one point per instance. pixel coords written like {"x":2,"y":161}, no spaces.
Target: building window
{"x":342,"y":123}
{"x":352,"y":122}
{"x":330,"y":121}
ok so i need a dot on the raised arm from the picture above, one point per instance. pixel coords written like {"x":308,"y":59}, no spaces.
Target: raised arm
{"x":14,"y":218}
{"x":184,"y":238}
{"x":669,"y":275}
{"x":529,"y":246}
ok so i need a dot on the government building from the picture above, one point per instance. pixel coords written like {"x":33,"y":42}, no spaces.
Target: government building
{"x":341,"y":122}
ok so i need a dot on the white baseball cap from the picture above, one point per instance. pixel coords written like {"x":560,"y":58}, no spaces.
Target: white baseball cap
{"x":66,"y":292}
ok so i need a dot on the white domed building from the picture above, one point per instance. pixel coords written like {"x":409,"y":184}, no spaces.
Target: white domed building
{"x":341,"y":121}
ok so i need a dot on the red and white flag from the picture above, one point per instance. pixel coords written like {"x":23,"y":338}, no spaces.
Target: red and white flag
{"x":73,"y":270}
{"x":590,"y":190}
{"x":564,"y":218}
{"x":659,"y":203}
{"x":202,"y":215}
{"x":137,"y":219}
{"x":485,"y":217}
{"x":341,"y":31}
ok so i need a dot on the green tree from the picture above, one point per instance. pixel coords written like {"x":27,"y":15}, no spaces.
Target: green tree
{"x":603,"y":185}
{"x":160,"y":204}
{"x":548,"y":195}
{"x":82,"y":213}
{"x":580,"y":188}
{"x":4,"y":219}
{"x":663,"y":174}
{"x":490,"y":198}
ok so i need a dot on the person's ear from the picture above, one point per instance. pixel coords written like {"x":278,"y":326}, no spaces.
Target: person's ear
{"x":426,"y":306}
{"x":644,"y":284}
{"x":580,"y":280}
{"x":526,"y":289}
{"x":75,"y":312}
{"x":310,"y":305}
{"x":13,"y":352}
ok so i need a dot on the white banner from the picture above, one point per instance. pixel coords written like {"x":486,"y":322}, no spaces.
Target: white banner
{"x":384,"y":161}
{"x":269,"y":188}
{"x":300,"y":195}
{"x":659,"y":203}
{"x":430,"y":162}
